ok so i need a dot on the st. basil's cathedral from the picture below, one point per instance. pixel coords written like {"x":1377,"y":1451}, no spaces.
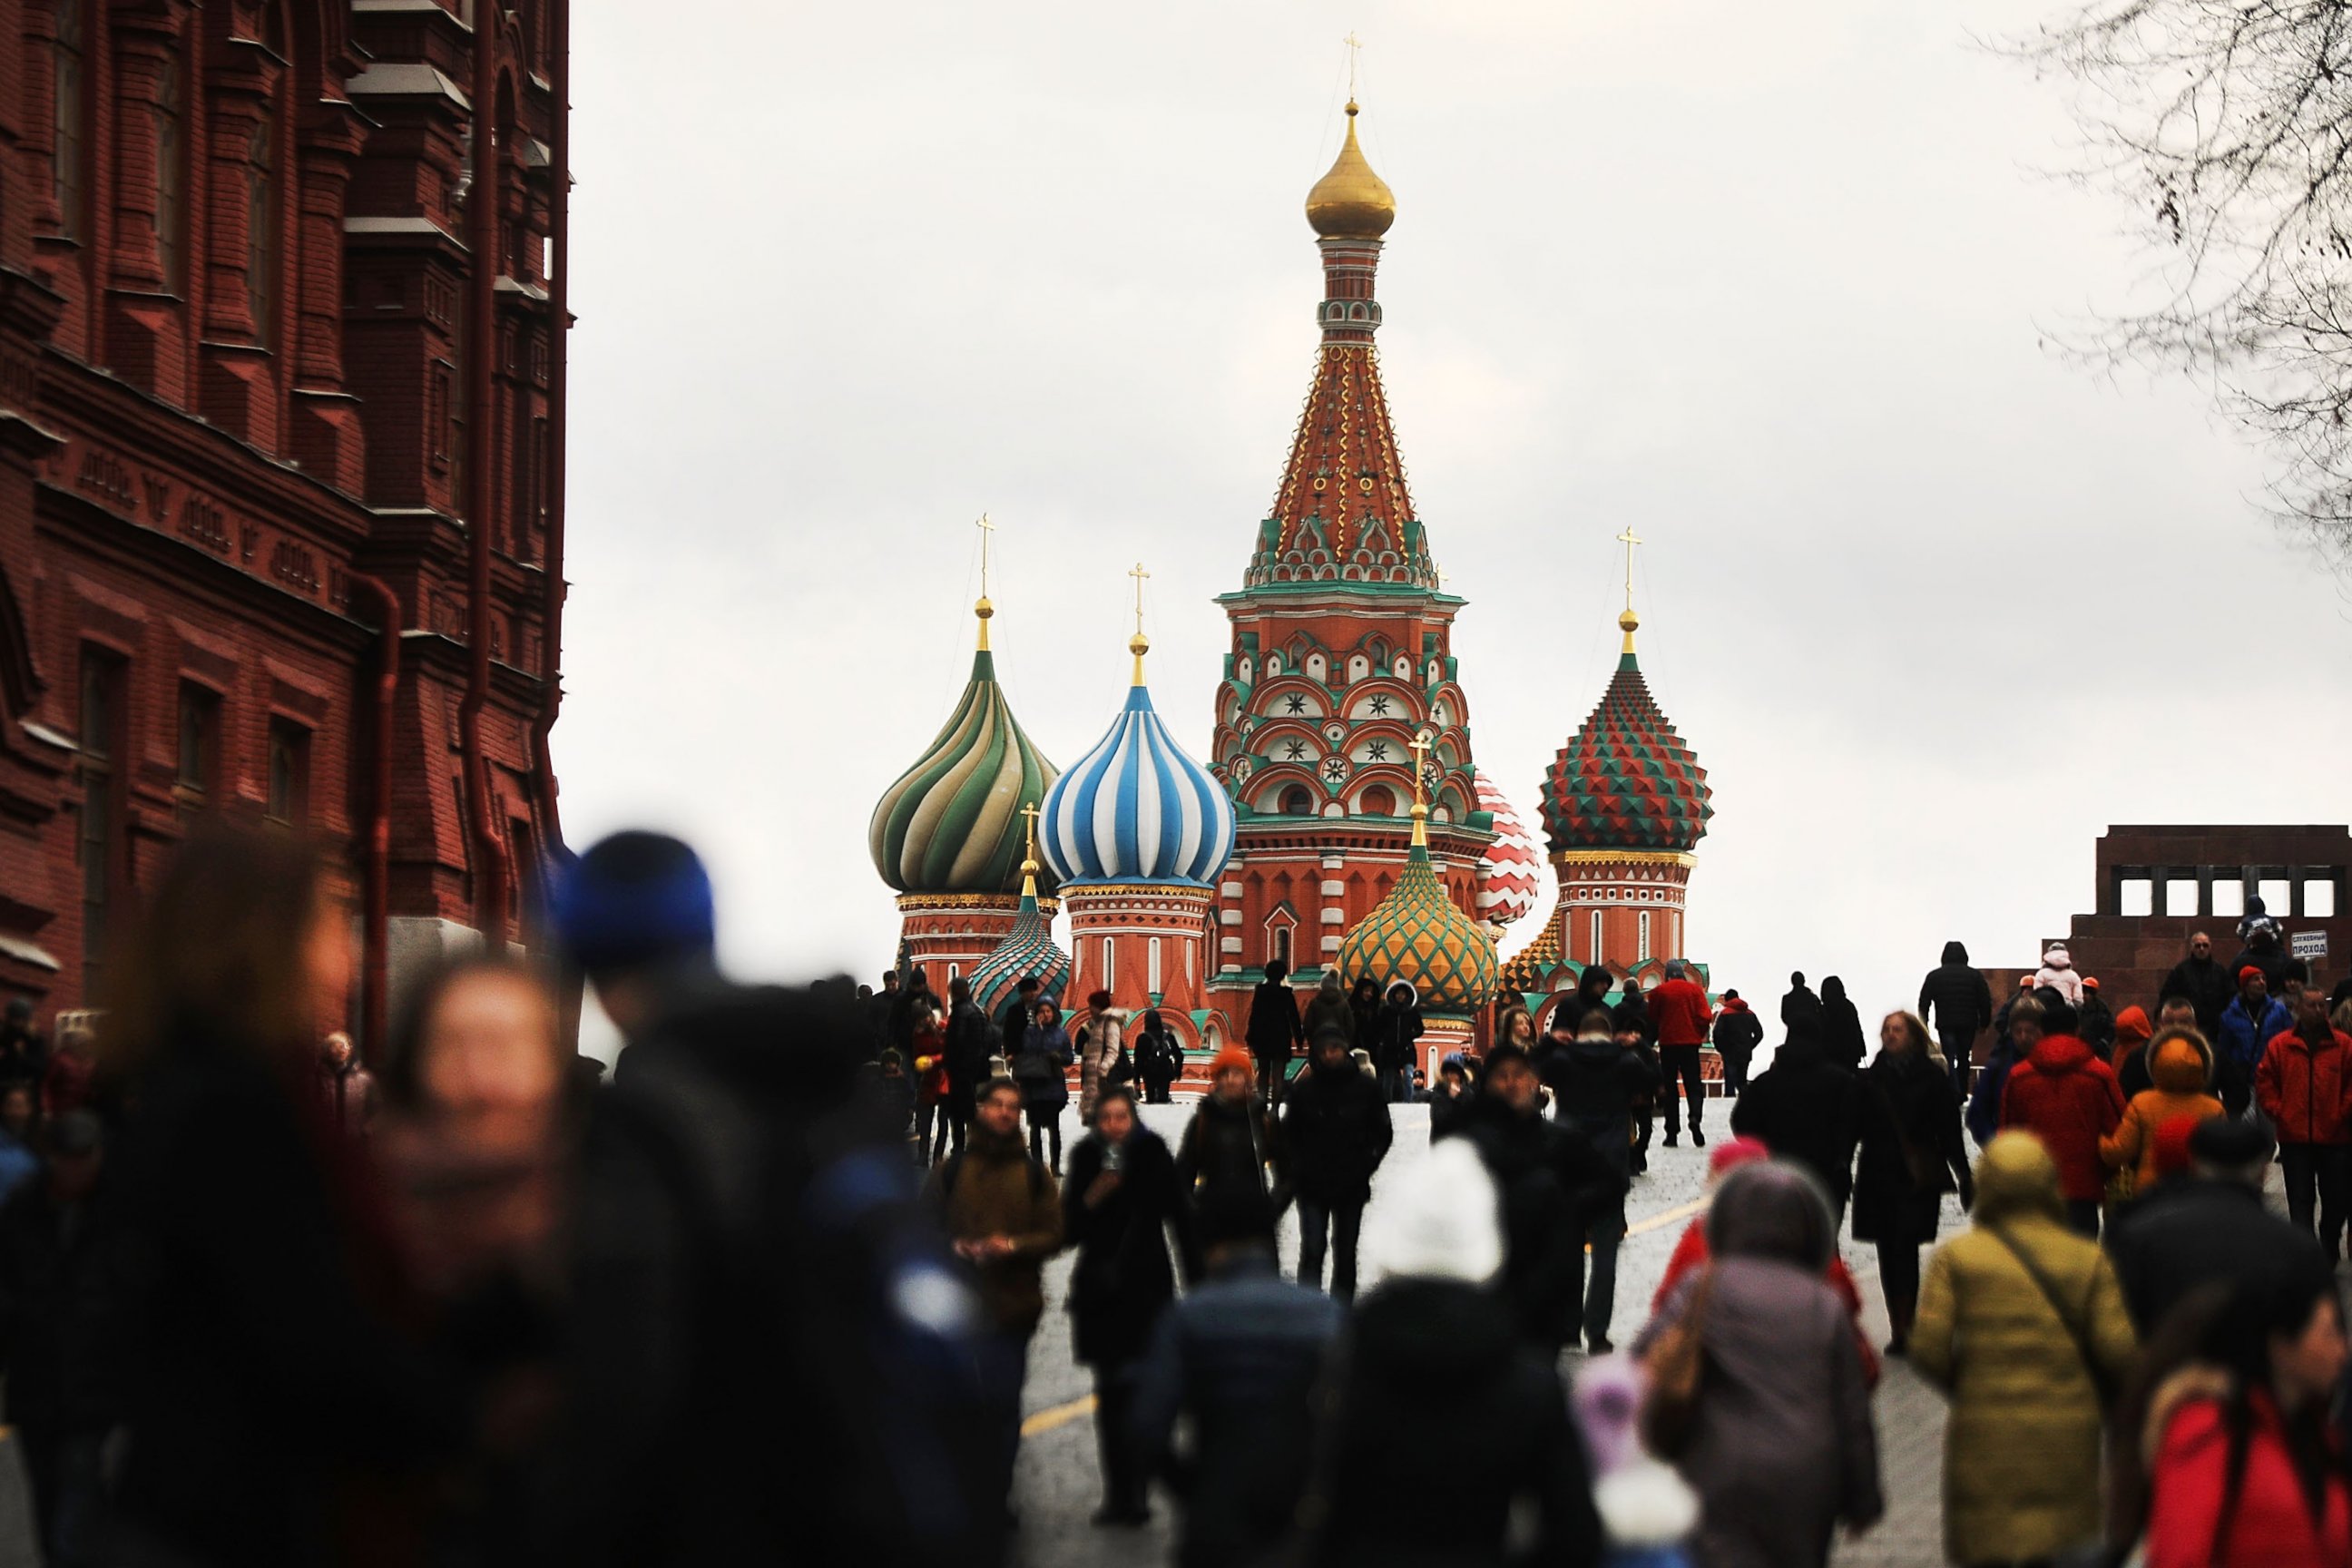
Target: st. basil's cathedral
{"x":1340,"y":819}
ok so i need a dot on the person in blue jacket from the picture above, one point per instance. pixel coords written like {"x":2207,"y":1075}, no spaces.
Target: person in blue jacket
{"x":2250,"y":1020}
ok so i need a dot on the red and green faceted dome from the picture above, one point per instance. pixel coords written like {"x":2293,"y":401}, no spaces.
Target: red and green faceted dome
{"x":1626,"y":780}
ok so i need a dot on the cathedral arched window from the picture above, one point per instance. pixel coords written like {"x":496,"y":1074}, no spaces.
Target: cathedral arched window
{"x":1297,"y":802}
{"x":69,"y":103}
{"x":1377,"y":801}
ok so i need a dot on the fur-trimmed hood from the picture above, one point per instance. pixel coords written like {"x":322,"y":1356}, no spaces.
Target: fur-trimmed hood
{"x":2196,"y":1381}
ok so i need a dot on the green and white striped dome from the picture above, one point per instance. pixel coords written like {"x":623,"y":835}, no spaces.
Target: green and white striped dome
{"x":952,"y":823}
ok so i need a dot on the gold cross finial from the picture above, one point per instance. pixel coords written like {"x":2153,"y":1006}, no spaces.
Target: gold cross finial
{"x":1029,"y":863}
{"x":983,"y":609}
{"x":1630,"y":539}
{"x":1420,"y":747}
{"x":1355,"y":48}
{"x":1138,"y":645}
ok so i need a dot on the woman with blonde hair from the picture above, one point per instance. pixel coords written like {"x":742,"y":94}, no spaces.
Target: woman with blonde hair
{"x":1911,"y":1156}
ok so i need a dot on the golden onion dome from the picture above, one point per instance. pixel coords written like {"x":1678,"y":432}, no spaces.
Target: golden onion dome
{"x":1350,"y":201}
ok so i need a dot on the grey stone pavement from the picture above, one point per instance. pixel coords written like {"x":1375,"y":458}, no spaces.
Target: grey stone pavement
{"x":1058,"y":1484}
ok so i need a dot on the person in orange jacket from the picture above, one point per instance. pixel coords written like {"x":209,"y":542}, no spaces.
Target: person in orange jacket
{"x":2182,"y":1064}
{"x":2300,"y":1084}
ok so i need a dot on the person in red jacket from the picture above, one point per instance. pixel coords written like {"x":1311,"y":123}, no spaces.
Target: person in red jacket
{"x":1678,"y":1011}
{"x":2301,"y":1083}
{"x":2247,"y":1470}
{"x":2064,"y":1095}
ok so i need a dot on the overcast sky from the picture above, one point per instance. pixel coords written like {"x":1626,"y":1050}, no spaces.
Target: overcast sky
{"x":1768,"y":282}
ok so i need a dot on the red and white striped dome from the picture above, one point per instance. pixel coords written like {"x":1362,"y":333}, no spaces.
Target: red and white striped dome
{"x":1510,"y":874}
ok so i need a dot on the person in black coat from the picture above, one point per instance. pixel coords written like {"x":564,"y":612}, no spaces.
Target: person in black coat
{"x":971,"y":1039}
{"x":1430,"y":1366}
{"x":1800,"y":1002}
{"x":1159,"y":1059}
{"x":1557,"y":1189}
{"x":1230,"y":1156}
{"x":1116,"y":1206}
{"x":1335,"y":1132}
{"x":2207,"y":1226}
{"x":1803,"y":1108}
{"x":1912,"y":1153}
{"x":1738,"y":1032}
{"x":1957,"y":1001}
{"x":1601,"y":1083}
{"x":1396,"y":1036}
{"x":1591,"y":993}
{"x":1842,"y":1026}
{"x":1273,"y":1030}
{"x":2208,"y":986}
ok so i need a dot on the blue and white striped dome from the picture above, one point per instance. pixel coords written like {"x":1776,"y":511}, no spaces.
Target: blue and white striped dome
{"x":1137,"y":809}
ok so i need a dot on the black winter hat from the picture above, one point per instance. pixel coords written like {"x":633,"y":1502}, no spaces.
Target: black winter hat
{"x":2226,"y":1141}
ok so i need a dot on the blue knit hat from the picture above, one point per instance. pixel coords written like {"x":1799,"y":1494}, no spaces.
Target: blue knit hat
{"x":633,"y":899}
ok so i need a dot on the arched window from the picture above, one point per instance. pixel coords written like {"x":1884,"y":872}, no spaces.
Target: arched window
{"x":172,"y":172}
{"x":1296,"y":802}
{"x":1379,"y":801}
{"x":69,"y":98}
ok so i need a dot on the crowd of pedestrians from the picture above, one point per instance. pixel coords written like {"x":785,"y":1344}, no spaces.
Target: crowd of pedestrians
{"x":467,"y":1298}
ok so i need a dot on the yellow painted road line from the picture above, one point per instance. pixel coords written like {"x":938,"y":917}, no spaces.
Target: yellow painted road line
{"x":1058,"y":1415}
{"x":1657,"y":1220}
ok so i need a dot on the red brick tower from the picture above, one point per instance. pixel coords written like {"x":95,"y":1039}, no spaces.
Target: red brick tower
{"x":1340,"y":651}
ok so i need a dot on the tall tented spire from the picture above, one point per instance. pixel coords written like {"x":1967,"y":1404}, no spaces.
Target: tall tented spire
{"x":1342,"y":512}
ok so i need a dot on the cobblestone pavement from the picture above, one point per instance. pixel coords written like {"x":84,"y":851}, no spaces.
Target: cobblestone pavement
{"x":1058,"y":1485}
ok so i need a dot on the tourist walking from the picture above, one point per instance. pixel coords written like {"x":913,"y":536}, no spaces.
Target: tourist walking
{"x":1328,"y":1009}
{"x":928,"y":1035}
{"x":344,"y":1087}
{"x":1738,"y":1032}
{"x":1116,"y":1211}
{"x":1957,"y":1001}
{"x":2021,"y":1324}
{"x":2205,"y":1225}
{"x":2301,"y":1087}
{"x":2064,"y":1095}
{"x":1451,"y":1097}
{"x":1042,"y":1069}
{"x":1777,"y":1435}
{"x":1159,"y":1059}
{"x":1678,"y":1007}
{"x":1003,"y":1213}
{"x":2015,"y":1034}
{"x":2203,"y":982}
{"x":1105,"y":1047}
{"x":1801,"y":1004}
{"x":1396,"y":1037}
{"x":1273,"y":1030}
{"x":2133,"y":1070}
{"x":2180,"y":1070}
{"x":1430,"y":1366}
{"x":1806,"y":1109}
{"x":1231,"y":1153}
{"x":2250,"y":1020}
{"x":1237,"y":1360}
{"x":2095,"y":1021}
{"x":1910,"y":1154}
{"x":1335,"y":1132}
{"x":1841,"y":1035}
{"x":971,"y":1039}
{"x":1559,"y":1194}
{"x":2248,"y":1470}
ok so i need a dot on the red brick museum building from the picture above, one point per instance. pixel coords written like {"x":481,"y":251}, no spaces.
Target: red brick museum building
{"x":281,"y":456}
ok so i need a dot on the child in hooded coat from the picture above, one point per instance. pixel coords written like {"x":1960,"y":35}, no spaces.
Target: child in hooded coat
{"x":2182,"y":1064}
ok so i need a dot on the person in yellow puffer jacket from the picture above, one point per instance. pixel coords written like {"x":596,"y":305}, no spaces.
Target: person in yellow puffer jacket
{"x":2182,"y":1064}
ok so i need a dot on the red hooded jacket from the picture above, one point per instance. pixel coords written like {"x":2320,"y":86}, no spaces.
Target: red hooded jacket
{"x":2064,"y":1095}
{"x":1678,"y":1010}
{"x":2271,"y":1526}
